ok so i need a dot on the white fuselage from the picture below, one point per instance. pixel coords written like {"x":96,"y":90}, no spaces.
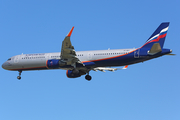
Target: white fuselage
{"x":38,"y":61}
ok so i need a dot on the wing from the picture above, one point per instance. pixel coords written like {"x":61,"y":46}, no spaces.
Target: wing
{"x":109,"y":69}
{"x":68,"y":53}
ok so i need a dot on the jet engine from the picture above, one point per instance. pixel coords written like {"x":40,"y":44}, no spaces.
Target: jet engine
{"x":54,"y":64}
{"x":74,"y":73}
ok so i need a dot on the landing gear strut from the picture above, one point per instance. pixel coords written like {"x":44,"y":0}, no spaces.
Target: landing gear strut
{"x":19,"y":77}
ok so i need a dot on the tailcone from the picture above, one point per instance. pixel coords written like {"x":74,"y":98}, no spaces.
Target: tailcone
{"x":171,"y":51}
{"x":166,"y":51}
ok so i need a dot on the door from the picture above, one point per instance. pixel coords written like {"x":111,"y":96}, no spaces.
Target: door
{"x":136,"y":53}
{"x":90,"y":56}
{"x":48,"y":56}
{"x":16,"y":59}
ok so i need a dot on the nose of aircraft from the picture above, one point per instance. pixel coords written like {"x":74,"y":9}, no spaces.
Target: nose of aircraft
{"x":5,"y":65}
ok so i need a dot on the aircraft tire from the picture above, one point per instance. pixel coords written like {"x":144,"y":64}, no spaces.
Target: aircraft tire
{"x":88,"y":77}
{"x":18,"y":77}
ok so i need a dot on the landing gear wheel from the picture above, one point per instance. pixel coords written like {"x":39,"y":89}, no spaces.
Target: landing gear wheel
{"x":18,"y":77}
{"x":88,"y":77}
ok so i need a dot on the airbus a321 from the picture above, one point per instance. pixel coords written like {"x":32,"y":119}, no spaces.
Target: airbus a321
{"x":78,"y":63}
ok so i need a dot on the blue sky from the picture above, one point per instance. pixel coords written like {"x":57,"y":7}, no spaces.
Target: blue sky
{"x":144,"y":91}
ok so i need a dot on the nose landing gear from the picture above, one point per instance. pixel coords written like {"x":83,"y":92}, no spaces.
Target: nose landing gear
{"x":19,"y":77}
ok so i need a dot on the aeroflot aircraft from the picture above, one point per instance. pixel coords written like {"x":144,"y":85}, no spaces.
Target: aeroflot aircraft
{"x":78,"y":63}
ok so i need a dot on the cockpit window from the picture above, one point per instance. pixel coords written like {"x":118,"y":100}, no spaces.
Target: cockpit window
{"x":9,"y":59}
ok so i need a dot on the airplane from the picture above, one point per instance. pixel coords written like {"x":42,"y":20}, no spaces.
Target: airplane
{"x":78,"y":63}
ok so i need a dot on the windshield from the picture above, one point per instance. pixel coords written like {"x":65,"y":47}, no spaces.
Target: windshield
{"x":9,"y":59}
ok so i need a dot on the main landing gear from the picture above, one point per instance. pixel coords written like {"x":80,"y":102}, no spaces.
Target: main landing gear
{"x":19,"y":77}
{"x":88,"y":77}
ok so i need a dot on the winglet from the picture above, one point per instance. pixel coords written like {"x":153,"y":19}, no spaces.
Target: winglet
{"x":70,"y":32}
{"x":125,"y":67}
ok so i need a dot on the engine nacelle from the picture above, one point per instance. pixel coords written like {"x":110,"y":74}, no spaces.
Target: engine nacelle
{"x":74,"y":74}
{"x":54,"y":64}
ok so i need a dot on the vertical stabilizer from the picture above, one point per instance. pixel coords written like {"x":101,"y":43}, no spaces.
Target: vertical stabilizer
{"x":158,"y":36}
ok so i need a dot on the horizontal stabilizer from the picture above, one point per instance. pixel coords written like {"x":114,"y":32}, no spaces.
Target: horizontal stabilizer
{"x":155,"y":49}
{"x":170,"y":54}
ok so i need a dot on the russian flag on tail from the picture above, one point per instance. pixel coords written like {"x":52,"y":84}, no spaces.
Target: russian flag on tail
{"x":158,"y":36}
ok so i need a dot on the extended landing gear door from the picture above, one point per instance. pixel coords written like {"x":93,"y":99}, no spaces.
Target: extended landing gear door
{"x":136,"y":53}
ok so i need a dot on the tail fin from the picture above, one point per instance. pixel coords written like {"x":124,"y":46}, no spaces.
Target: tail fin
{"x":158,"y":36}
